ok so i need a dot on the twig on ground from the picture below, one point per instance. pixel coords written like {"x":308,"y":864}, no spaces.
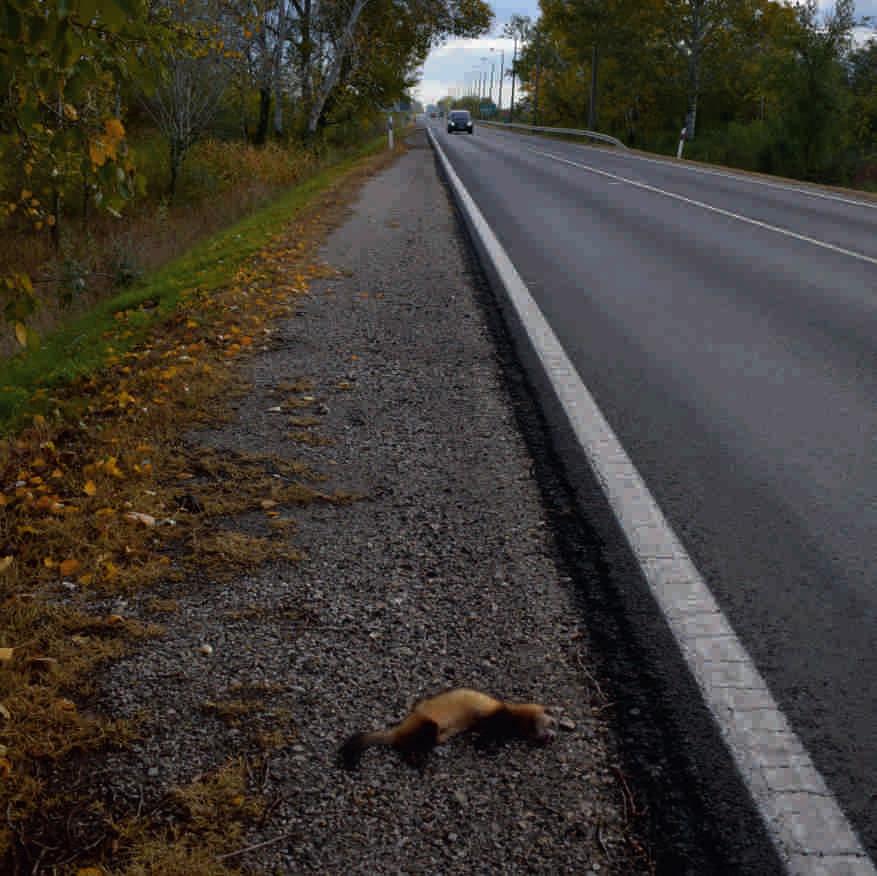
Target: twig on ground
{"x":252,"y":848}
{"x":269,"y":809}
{"x":629,"y":801}
{"x":600,"y":841}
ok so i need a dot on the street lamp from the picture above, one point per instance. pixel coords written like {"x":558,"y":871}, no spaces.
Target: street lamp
{"x":489,"y":93}
{"x":501,"y":73}
{"x":476,"y":82}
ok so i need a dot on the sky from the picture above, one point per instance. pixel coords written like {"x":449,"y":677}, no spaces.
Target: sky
{"x":451,"y":65}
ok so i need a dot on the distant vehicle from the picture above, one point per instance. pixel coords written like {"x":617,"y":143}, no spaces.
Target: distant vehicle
{"x":460,"y":120}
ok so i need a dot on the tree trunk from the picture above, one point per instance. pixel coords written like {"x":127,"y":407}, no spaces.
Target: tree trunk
{"x":592,"y":103}
{"x":331,"y":80}
{"x":278,"y":111}
{"x":698,"y":32}
{"x":177,"y":154}
{"x":514,"y":74}
{"x":307,"y":49}
{"x":693,"y":93}
{"x":264,"y":116}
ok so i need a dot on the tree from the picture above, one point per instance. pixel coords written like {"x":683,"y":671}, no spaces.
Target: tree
{"x":184,"y":104}
{"x":863,"y":106}
{"x":816,"y":93}
{"x":589,"y":28}
{"x":517,"y":29}
{"x":431,"y":21}
{"x":61,"y":70}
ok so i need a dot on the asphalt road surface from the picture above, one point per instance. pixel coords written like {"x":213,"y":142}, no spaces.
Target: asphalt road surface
{"x":727,"y":327}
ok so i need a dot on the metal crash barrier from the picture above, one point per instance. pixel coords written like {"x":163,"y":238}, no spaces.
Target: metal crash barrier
{"x":576,"y":132}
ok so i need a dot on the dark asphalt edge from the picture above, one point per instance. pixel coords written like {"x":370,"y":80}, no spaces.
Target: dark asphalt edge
{"x":694,"y":811}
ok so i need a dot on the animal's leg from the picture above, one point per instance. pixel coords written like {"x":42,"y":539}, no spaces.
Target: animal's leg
{"x":415,"y":744}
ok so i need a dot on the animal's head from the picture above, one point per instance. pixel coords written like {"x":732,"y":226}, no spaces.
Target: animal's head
{"x":536,"y":724}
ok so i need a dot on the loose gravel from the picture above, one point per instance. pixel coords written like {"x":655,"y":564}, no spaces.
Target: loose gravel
{"x":443,"y":574}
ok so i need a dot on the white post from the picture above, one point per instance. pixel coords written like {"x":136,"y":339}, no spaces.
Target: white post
{"x":390,"y":130}
{"x":681,"y":141}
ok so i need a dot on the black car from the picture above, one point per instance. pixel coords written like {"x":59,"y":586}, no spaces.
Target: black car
{"x":459,"y":120}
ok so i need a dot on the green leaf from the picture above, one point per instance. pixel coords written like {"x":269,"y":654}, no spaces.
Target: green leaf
{"x":12,"y":24}
{"x":38,"y":30}
{"x":113,"y":14}
{"x":88,"y":10}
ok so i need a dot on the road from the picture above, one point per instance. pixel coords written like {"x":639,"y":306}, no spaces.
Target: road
{"x":727,"y":327}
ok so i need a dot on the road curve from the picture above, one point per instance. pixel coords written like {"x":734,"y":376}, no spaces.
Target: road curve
{"x":727,"y":327}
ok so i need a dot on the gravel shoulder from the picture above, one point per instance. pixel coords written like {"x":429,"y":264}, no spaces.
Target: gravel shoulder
{"x":444,"y":573}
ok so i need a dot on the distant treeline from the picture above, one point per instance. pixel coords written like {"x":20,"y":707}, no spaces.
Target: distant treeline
{"x":758,"y":84}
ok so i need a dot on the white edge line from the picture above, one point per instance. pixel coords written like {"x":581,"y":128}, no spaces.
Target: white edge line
{"x":804,"y":821}
{"x":752,"y":180}
{"x":704,"y":206}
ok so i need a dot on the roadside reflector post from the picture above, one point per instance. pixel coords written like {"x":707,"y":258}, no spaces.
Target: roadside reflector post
{"x":682,"y":134}
{"x":390,"y":130}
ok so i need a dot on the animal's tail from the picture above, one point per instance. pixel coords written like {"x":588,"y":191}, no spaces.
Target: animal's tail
{"x":351,"y":751}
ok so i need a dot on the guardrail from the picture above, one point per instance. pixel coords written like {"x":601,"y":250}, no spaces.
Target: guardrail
{"x":576,"y":132}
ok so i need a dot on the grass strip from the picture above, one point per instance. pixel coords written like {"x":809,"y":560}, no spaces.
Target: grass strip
{"x":85,"y":345}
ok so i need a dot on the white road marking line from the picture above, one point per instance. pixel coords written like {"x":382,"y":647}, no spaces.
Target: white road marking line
{"x":704,"y":206}
{"x":759,"y":181}
{"x":804,"y":821}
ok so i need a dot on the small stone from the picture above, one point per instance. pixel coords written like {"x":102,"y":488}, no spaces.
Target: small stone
{"x":566,"y":724}
{"x":206,"y":650}
{"x":152,"y":772}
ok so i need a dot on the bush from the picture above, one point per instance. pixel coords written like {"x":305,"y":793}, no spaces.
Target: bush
{"x":216,"y":165}
{"x":749,"y":146}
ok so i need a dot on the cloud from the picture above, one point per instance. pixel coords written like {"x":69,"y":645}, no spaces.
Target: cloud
{"x":453,"y":65}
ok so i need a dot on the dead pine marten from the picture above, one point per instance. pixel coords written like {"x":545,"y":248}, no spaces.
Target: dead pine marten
{"x":434,"y":721}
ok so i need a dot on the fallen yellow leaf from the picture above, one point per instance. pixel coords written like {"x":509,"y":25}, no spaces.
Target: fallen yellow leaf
{"x":6,"y":654}
{"x":65,"y":705}
{"x":5,"y":767}
{"x":89,"y":489}
{"x":68,"y":566}
{"x":21,"y":333}
{"x":111,"y":467}
{"x":5,"y":713}
{"x":6,"y":562}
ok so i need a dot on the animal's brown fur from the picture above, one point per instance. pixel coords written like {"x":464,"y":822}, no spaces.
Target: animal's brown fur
{"x":433,"y":721}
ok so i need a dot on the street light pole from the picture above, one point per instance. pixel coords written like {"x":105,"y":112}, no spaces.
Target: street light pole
{"x":489,"y":94}
{"x":501,"y":73}
{"x":514,"y":70}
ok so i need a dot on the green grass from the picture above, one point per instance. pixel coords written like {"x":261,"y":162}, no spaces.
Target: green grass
{"x":81,"y":347}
